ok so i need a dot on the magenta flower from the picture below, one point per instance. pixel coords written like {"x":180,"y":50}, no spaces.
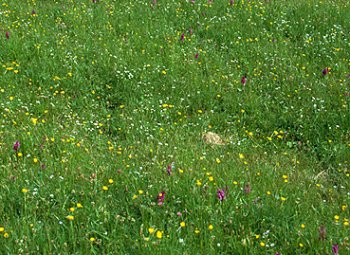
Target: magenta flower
{"x":168,"y":170}
{"x":196,"y":56}
{"x":244,"y":80}
{"x":161,"y":197}
{"x":335,"y":249}
{"x":7,"y":34}
{"x":232,"y":2}
{"x":16,"y":145}
{"x":221,"y":194}
{"x":182,"y":37}
{"x":325,"y":71}
{"x":277,"y":253}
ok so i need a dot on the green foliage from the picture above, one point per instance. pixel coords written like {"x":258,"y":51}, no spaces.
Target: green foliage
{"x":105,"y":97}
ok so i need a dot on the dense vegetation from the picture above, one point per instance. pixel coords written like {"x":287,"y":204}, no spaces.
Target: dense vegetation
{"x":174,"y":127}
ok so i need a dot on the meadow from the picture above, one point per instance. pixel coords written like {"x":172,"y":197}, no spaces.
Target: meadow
{"x":108,"y":110}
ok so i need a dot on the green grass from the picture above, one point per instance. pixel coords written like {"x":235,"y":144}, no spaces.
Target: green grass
{"x":104,"y":96}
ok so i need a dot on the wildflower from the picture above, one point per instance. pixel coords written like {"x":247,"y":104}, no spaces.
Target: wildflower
{"x":159,"y":234}
{"x":210,"y":227}
{"x":196,"y":56}
{"x":325,"y":71}
{"x":262,"y":244}
{"x":168,"y":170}
{"x":92,"y":239}
{"x":247,"y":189}
{"x":150,"y":230}
{"x":6,"y":235}
{"x":140,"y":191}
{"x":72,"y":209}
{"x":335,"y":249}
{"x":322,"y":232}
{"x":161,"y":197}
{"x":179,"y":214}
{"x":19,"y":154}
{"x":35,"y":160}
{"x":182,"y":37}
{"x":302,"y":225}
{"x":301,"y":245}
{"x":79,"y":205}
{"x":244,"y":80}
{"x":105,"y":188}
{"x":110,"y":181}
{"x":232,"y":2}
{"x":16,"y":146}
{"x":197,"y":231}
{"x":2,"y":229}
{"x":33,"y":13}
{"x":70,"y":217}
{"x":221,"y":194}
{"x":182,"y":224}
{"x":7,"y":34}
{"x":24,"y":190}
{"x":277,"y":253}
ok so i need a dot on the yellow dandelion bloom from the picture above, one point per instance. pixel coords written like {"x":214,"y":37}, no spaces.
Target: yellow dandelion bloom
{"x":24,"y":190}
{"x":19,"y":154}
{"x":182,"y":224}
{"x":262,"y":244}
{"x":140,"y":191}
{"x":35,"y":160}
{"x":34,"y":121}
{"x":210,"y":227}
{"x":159,"y":234}
{"x":241,"y":155}
{"x":105,"y":188}
{"x":72,"y":209}
{"x":70,"y":217}
{"x":283,"y":198}
{"x":196,"y":231}
{"x":110,"y":181}
{"x":151,"y":230}
{"x":92,"y":239}
{"x":79,"y":205}
{"x":2,"y":229}
{"x":6,"y":235}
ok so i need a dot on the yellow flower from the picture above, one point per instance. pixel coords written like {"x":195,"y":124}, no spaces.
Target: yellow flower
{"x":92,"y":239}
{"x":301,"y":245}
{"x":105,"y":188}
{"x":19,"y":154}
{"x":199,"y":183}
{"x":134,"y":197}
{"x":336,"y":217}
{"x":210,"y":227}
{"x":218,"y":161}
{"x":140,"y":191}
{"x":241,"y":155}
{"x":35,"y":160}
{"x":110,"y":181}
{"x":6,"y":235}
{"x":34,"y":121}
{"x":262,"y":244}
{"x":346,"y":223}
{"x":196,"y":231}
{"x":159,"y":234}
{"x":151,"y":230}
{"x":182,"y":224}
{"x":2,"y":229}
{"x":79,"y":205}
{"x":72,"y":209}
{"x":24,"y":190}
{"x":302,"y":225}
{"x":70,"y":217}
{"x":268,"y":193}
{"x":343,"y":207}
{"x":211,"y":178}
{"x":283,"y":198}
